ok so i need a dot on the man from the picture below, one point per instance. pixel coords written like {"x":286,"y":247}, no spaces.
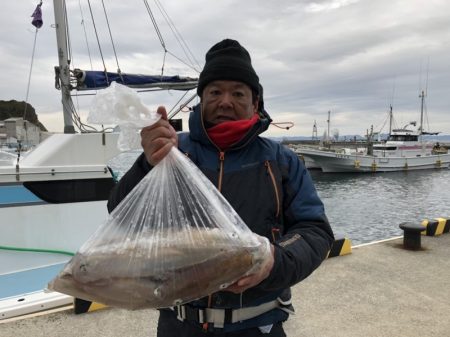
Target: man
{"x":265,"y":183}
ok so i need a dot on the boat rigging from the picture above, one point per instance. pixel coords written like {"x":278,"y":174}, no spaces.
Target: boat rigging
{"x":69,"y":79}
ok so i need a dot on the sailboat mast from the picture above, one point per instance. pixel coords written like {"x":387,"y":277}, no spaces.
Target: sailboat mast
{"x":64,"y":69}
{"x":328,"y":122}
{"x":422,"y":96}
{"x":390,"y":120}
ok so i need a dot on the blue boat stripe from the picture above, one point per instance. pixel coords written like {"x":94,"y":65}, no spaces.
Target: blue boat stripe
{"x":17,"y":194}
{"x":20,"y":204}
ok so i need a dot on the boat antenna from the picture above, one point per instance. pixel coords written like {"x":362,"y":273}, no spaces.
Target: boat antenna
{"x":423,"y":94}
{"x":426,"y":82}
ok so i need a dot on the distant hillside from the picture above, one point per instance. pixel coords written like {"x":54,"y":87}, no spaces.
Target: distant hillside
{"x":9,"y":109}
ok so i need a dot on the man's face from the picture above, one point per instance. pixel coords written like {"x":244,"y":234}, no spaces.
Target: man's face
{"x":224,"y":101}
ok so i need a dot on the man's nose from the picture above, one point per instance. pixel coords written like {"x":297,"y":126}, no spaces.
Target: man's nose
{"x":226,"y":100}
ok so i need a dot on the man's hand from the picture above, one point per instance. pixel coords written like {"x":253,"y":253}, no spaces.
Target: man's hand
{"x":254,"y":279}
{"x":158,"y":139}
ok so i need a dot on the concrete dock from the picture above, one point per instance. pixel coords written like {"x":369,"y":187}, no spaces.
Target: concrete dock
{"x":380,"y":290}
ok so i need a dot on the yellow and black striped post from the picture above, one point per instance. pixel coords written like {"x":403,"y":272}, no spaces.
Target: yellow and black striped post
{"x":436,"y":226}
{"x":82,"y":306}
{"x":341,"y":246}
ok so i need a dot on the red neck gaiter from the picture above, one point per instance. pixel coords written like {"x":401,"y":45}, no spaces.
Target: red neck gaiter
{"x":227,"y":133}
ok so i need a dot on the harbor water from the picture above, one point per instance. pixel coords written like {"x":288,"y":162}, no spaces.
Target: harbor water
{"x":368,"y":207}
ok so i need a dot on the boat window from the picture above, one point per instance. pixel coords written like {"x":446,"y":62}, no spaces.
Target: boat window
{"x":385,"y":148}
{"x":64,"y":191}
{"x":403,"y":138}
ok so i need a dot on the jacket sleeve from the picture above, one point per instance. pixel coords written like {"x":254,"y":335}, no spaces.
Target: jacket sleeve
{"x":133,"y":176}
{"x":307,"y":237}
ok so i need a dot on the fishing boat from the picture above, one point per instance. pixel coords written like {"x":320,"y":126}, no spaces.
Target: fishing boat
{"x":54,"y":198}
{"x":404,"y":150}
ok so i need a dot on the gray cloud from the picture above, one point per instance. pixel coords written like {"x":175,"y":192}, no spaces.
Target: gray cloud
{"x":352,"y":57}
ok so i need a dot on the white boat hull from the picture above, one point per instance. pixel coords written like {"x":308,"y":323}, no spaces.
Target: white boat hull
{"x":336,"y":162}
{"x":59,"y":227}
{"x":50,"y":204}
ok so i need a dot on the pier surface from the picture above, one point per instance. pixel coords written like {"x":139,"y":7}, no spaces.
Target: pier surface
{"x":380,"y":290}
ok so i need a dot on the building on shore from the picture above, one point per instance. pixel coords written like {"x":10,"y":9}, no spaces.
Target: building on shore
{"x":16,"y":131}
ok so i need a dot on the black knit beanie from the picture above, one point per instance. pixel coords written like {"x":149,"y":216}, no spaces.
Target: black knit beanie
{"x":228,"y":60}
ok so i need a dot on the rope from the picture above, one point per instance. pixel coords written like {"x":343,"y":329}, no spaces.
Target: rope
{"x":98,"y":41}
{"x":177,"y":35}
{"x":112,"y":41}
{"x":155,"y":25}
{"x":170,"y":111}
{"x":173,"y":114}
{"x":84,"y":128}
{"x":187,"y":52}
{"x":184,"y":62}
{"x":85,"y":34}
{"x":37,"y":250}
{"x":158,"y":32}
{"x":278,"y":125}
{"x":382,"y":126}
{"x":29,"y":75}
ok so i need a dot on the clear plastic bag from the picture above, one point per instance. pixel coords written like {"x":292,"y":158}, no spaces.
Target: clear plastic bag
{"x":121,"y":106}
{"x":173,"y":239}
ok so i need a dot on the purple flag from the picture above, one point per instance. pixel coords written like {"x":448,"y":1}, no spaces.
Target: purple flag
{"x":37,"y":17}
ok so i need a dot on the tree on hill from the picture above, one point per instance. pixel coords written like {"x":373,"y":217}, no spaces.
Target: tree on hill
{"x":15,"y":109}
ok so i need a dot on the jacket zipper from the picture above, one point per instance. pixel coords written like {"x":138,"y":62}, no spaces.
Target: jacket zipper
{"x":221,"y":162}
{"x":277,"y":196}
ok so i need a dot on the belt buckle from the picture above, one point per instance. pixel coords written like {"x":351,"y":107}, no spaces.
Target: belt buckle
{"x":201,"y":316}
{"x":180,"y":311}
{"x":186,"y":312}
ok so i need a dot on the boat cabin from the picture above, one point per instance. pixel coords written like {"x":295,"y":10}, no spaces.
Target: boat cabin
{"x":403,"y":135}
{"x":402,"y":143}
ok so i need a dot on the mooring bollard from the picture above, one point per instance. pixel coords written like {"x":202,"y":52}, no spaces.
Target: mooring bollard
{"x":411,"y":235}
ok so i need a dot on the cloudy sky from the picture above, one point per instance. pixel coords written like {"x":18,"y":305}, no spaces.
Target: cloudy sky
{"x":354,"y":58}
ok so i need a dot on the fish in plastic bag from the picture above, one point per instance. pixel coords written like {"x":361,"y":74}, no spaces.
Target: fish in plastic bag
{"x":173,"y":239}
{"x":126,"y":275}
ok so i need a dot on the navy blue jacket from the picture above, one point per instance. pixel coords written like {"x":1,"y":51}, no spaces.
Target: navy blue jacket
{"x":271,"y":190}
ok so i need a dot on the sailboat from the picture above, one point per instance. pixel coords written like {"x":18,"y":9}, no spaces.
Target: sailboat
{"x":404,"y":150}
{"x":52,"y":200}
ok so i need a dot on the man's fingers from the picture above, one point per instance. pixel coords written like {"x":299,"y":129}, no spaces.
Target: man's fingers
{"x":242,"y":284}
{"x":158,"y":155}
{"x":162,"y":111}
{"x":158,"y":138}
{"x":245,"y":281}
